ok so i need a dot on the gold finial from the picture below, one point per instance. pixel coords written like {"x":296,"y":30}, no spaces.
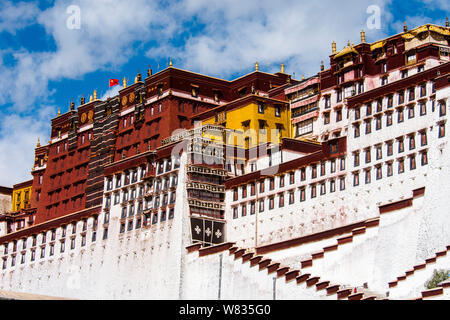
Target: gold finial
{"x":138,"y":77}
{"x":83,"y":101}
{"x":303,"y":77}
{"x":333,"y":47}
{"x":256,"y":66}
{"x":149,"y":71}
{"x":405,"y":28}
{"x":95,"y":94}
{"x":363,"y":36}
{"x":170,"y":62}
{"x":72,"y":106}
{"x":59,"y":112}
{"x":282,"y":68}
{"x":38,"y":143}
{"x":322,"y":67}
{"x":91,"y":98}
{"x":348,"y":43}
{"x":446,"y":22}
{"x":124,"y":82}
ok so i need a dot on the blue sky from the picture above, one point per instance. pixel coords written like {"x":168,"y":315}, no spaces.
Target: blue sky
{"x":44,"y":64}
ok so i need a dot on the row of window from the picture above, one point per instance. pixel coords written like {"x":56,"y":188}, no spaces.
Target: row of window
{"x":390,"y":148}
{"x":314,"y":171}
{"x":390,"y":168}
{"x":321,"y":187}
{"x":146,"y":220}
{"x":126,"y":178}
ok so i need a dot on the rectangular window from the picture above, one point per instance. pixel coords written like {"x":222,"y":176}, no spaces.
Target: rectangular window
{"x":388,"y":119}
{"x":401,"y":166}
{"x":326,"y":118}
{"x":368,"y":127}
{"x":292,"y":178}
{"x":313,"y":191}
{"x":356,"y":159}
{"x":261,"y":205}
{"x":342,"y":163}
{"x":424,"y":158}
{"x":368,"y":176}
{"x":341,"y":184}
{"x":389,"y":148}
{"x":356,"y":179}
{"x":322,"y":188}
{"x":332,"y":185}
{"x":400,"y":117}
{"x":422,"y":109}
{"x":333,"y":166}
{"x":291,"y":197}
{"x":322,"y":169}
{"x":442,"y":130}
{"x":235,"y":213}
{"x":356,"y":130}
{"x":378,"y":123}
{"x":401,"y":146}
{"x":379,"y":152}
{"x":261,"y":186}
{"x":368,"y":156}
{"x":442,"y":109}
{"x":303,"y":174}
{"x":252,"y":208}
{"x":271,"y":183}
{"x":412,"y":143}
{"x":410,"y":112}
{"x":357,"y":113}
{"x":369,"y":110}
{"x":313,"y":171}
{"x":281,"y":181}
{"x":302,"y":195}
{"x":379,"y":173}
{"x":243,"y":210}
{"x":412,"y":162}
{"x":281,"y":200}
{"x":412,"y":94}
{"x":389,"y":170}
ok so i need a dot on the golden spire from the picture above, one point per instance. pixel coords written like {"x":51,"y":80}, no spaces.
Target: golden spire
{"x":91,"y":98}
{"x":333,"y":47}
{"x":256,"y":66}
{"x":72,"y":105}
{"x":149,"y":71}
{"x":138,"y":77}
{"x":95,"y":94}
{"x":322,"y":67}
{"x":303,"y":77}
{"x":135,"y":79}
{"x":446,"y":22}
{"x":124,"y":82}
{"x":363,"y":36}
{"x":170,"y":62}
{"x":59,"y":112}
{"x":38,"y":143}
{"x":405,"y":28}
{"x":348,"y":43}
{"x":282,"y":68}
{"x":83,"y":101}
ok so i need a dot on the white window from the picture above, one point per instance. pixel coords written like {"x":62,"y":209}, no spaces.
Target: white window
{"x":303,"y":127}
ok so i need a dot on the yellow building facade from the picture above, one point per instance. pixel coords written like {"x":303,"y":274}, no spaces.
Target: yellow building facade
{"x":250,"y":121}
{"x":21,"y":197}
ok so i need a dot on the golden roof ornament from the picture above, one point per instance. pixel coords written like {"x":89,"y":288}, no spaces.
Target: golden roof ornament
{"x":446,"y":22}
{"x":170,"y":62}
{"x":59,"y":112}
{"x":322,"y":67}
{"x":303,"y":77}
{"x":124,"y":82}
{"x":282,"y":68}
{"x":95,"y":94}
{"x":149,"y":71}
{"x":72,"y":106}
{"x":363,"y":36}
{"x":38,"y":143}
{"x":333,"y":47}
{"x":256,"y":66}
{"x":91,"y":98}
{"x":83,"y":101}
{"x":348,"y":43}
{"x":405,"y":28}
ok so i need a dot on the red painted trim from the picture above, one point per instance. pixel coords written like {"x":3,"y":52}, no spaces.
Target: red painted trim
{"x":418,"y":192}
{"x":273,"y":267}
{"x":239,"y":253}
{"x":307,"y":263}
{"x":312,"y":281}
{"x":396,"y":206}
{"x":292,"y":275}
{"x":264,"y":263}
{"x":344,"y":240}
{"x":341,"y":294}
{"x":420,"y":266}
{"x":215,"y":249}
{"x":332,"y":289}
{"x":282,"y":271}
{"x":393,"y":284}
{"x":193,"y":247}
{"x":302,"y":278}
{"x":246,"y":257}
{"x":356,"y":296}
{"x":255,"y":260}
{"x":432,"y":292}
{"x":322,"y":285}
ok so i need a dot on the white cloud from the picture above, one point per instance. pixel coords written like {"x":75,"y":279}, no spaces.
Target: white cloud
{"x":112,"y":92}
{"x":15,"y":16}
{"x":239,"y":33}
{"x":18,"y":138}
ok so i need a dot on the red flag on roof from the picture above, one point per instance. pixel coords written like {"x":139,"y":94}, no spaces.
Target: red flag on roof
{"x":113,"y":82}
